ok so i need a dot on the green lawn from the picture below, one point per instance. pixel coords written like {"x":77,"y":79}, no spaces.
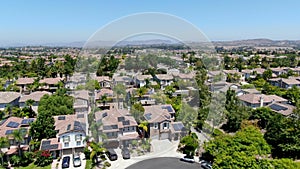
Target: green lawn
{"x":31,"y":166}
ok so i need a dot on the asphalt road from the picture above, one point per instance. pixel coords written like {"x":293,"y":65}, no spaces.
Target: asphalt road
{"x":164,"y":163}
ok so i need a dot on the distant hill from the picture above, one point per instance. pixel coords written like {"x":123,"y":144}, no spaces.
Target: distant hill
{"x":235,"y":43}
{"x":259,"y":43}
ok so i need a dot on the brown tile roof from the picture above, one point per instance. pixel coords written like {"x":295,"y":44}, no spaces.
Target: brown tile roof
{"x":5,"y":125}
{"x":156,"y":114}
{"x":7,"y":97}
{"x":111,"y":122}
{"x":69,"y":123}
{"x":50,"y":144}
{"x":36,"y":96}
{"x":143,"y":77}
{"x":164,"y":77}
{"x":25,"y":81}
{"x":103,"y":78}
{"x":283,"y":109}
{"x":51,"y":81}
{"x":255,"y":98}
{"x":82,"y":94}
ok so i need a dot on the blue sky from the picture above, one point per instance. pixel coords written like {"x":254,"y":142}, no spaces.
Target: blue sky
{"x":76,"y":20}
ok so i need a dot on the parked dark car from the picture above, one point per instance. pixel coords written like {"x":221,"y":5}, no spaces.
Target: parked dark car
{"x":111,"y":154}
{"x":125,"y":153}
{"x":66,"y":162}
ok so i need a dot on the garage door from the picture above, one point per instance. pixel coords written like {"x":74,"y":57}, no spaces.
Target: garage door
{"x":164,"y":136}
{"x":67,"y":151}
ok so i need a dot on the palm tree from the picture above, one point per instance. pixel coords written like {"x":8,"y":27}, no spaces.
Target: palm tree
{"x":141,"y":91}
{"x":96,"y":149}
{"x":104,"y":99}
{"x":3,"y":144}
{"x":30,"y":103}
{"x":144,"y":126}
{"x":18,"y":135}
{"x":119,"y":89}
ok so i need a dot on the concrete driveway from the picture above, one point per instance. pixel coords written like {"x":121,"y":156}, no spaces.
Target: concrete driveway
{"x":83,"y":162}
{"x":161,"y":148}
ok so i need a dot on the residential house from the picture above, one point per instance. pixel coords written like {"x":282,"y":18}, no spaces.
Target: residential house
{"x":125,"y":80}
{"x":75,"y":80}
{"x":284,"y":109}
{"x":118,"y":127}
{"x":260,"y":100}
{"x":71,"y":132}
{"x":159,"y":118}
{"x":186,"y":77}
{"x":141,"y":80}
{"x":104,"y":82}
{"x":247,"y":91}
{"x":35,"y":96}
{"x":9,"y":99}
{"x":23,"y":83}
{"x":215,"y":76}
{"x":52,"y":145}
{"x":278,"y":71}
{"x":81,"y":101}
{"x":285,"y":83}
{"x":7,"y":126}
{"x":50,"y":84}
{"x":164,"y":80}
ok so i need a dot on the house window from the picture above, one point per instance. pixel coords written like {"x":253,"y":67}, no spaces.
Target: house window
{"x":78,"y":137}
{"x":166,"y":125}
{"x":66,"y":144}
{"x":66,"y":139}
{"x":78,"y":143}
{"x":155,"y":125}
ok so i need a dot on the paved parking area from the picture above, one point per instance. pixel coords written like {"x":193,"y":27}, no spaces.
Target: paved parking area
{"x":161,"y":148}
{"x":83,"y":162}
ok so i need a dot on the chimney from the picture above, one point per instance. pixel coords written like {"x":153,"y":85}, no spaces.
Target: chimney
{"x":261,"y":100}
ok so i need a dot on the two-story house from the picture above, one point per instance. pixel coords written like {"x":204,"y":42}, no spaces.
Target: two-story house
{"x":260,"y":100}
{"x":7,"y":127}
{"x":23,"y":83}
{"x":164,"y":80}
{"x":35,"y":96}
{"x":50,"y":84}
{"x":118,"y":127}
{"x":142,"y":80}
{"x":104,"y":82}
{"x":9,"y":99}
{"x":159,"y":118}
{"x":71,"y":132}
{"x":81,"y":101}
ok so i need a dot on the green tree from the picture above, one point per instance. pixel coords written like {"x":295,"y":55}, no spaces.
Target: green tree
{"x":144,"y":126}
{"x":237,"y":151}
{"x":18,"y":136}
{"x":188,"y":144}
{"x":4,"y":143}
{"x":119,"y":89}
{"x":96,"y":149}
{"x":235,"y":112}
{"x":267,"y":74}
{"x":137,"y":111}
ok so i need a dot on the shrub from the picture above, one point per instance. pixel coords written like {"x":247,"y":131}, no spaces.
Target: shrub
{"x":87,"y":153}
{"x":43,"y":158}
{"x":16,"y":160}
{"x":27,"y":158}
